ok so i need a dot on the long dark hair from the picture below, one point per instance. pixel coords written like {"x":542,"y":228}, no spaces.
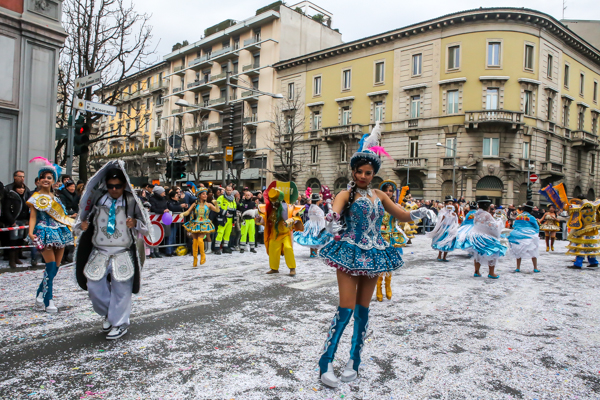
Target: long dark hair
{"x":359,"y":164}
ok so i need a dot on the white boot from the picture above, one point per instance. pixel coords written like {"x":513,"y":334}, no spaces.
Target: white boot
{"x":329,"y":378}
{"x":39,"y":301}
{"x":51,"y":307}
{"x":248,"y":246}
{"x":349,"y":374}
{"x":207,"y":249}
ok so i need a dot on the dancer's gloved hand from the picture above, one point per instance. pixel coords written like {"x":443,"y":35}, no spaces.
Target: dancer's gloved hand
{"x":289,"y":223}
{"x":418,"y":214}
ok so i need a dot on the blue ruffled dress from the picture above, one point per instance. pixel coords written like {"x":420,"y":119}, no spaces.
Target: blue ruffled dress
{"x":51,"y":232}
{"x":485,"y":238}
{"x":462,"y":239}
{"x":314,"y":235}
{"x":362,"y":250}
{"x":525,"y":237}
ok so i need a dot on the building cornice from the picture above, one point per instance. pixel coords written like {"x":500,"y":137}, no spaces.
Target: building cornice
{"x":348,"y":98}
{"x":318,"y":103}
{"x":582,"y":104}
{"x":378,"y":93}
{"x":453,"y":80}
{"x":416,"y":86}
{"x":481,"y":15}
{"x":494,"y":78}
{"x":527,"y":80}
{"x":566,"y":96}
{"x":552,"y":89}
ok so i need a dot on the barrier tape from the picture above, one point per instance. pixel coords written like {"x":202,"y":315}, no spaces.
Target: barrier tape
{"x":177,"y":218}
{"x":14,"y":228}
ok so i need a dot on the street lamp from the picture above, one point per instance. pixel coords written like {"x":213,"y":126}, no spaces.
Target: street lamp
{"x":453,"y":148}
{"x":185,"y":103}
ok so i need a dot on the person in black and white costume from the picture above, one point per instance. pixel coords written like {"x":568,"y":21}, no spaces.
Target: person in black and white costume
{"x":110,"y":252}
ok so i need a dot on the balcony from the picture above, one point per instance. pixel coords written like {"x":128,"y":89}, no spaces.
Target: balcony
{"x":218,"y":77}
{"x":177,"y":110}
{"x":416,"y":164}
{"x":157,"y":86}
{"x":249,"y":95}
{"x":179,"y":69}
{"x":222,"y":54}
{"x":584,"y":139}
{"x":314,"y":134}
{"x":196,"y":129}
{"x":252,"y":44}
{"x":217,"y":102}
{"x":196,"y":85}
{"x":251,"y":69}
{"x":200,"y":62}
{"x":447,"y":162}
{"x":351,"y":131}
{"x":512,"y":118}
{"x":178,"y":91}
{"x":251,"y":120}
{"x":551,"y":169}
{"x":412,"y":123}
{"x":217,"y":126}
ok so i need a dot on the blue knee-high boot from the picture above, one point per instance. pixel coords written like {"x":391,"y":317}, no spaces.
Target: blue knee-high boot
{"x":578,"y":262}
{"x":593,"y":262}
{"x":338,"y":324}
{"x":361,"y":324}
{"x":47,"y":283}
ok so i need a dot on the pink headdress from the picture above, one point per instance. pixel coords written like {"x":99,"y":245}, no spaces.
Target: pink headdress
{"x":46,"y":165}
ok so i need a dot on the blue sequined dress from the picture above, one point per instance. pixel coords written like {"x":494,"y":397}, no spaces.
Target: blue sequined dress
{"x":51,"y":232}
{"x":362,"y":250}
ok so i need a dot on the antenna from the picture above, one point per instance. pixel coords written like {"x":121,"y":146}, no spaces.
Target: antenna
{"x":564,"y":7}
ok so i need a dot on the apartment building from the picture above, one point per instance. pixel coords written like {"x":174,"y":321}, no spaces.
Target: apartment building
{"x":514,"y":91}
{"x":135,"y":134}
{"x":241,"y":53}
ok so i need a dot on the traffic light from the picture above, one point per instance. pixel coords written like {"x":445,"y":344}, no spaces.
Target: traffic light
{"x":529,"y":194}
{"x":179,"y":170}
{"x":81,"y":138}
{"x":169,"y":170}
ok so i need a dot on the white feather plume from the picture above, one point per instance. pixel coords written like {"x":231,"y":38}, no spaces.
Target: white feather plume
{"x":374,"y":138}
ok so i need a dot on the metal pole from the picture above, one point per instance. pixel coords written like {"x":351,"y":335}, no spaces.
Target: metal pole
{"x":462,"y":185}
{"x":261,"y":172}
{"x":408,"y":174}
{"x":227,"y":91}
{"x":454,"y":169}
{"x":71,"y":138}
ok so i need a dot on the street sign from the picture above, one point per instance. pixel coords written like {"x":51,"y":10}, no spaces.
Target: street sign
{"x":100,"y":108}
{"x":533,"y":178}
{"x":175,"y":141}
{"x":79,"y":104}
{"x":87,"y":81}
{"x":229,"y":154}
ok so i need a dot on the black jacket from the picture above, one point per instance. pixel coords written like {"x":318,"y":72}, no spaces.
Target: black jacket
{"x":245,"y":205}
{"x":14,"y":208}
{"x":27,"y":193}
{"x":158,"y":204}
{"x":174,"y":206}
{"x":70,"y":201}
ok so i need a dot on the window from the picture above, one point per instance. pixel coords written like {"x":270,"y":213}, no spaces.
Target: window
{"x":158,"y":120}
{"x":414,"y":148}
{"x":581,"y":83}
{"x":417,"y":64}
{"x":581,"y":120}
{"x":592,"y":163}
{"x":549,"y":66}
{"x":526,"y":150}
{"x":415,"y":106}
{"x":289,"y":125}
{"x":346,"y":79}
{"x":595,"y":124}
{"x":450,"y":143}
{"x":129,"y":109}
{"x":527,"y":102}
{"x":491,"y":99}
{"x":146,"y":124}
{"x":529,"y":57}
{"x":147,"y":103}
{"x":493,"y":56}
{"x":548,"y":149}
{"x":452,"y":96}
{"x":566,"y":78}
{"x":550,"y":106}
{"x":288,"y":157}
{"x":291,"y":90}
{"x":346,"y":115}
{"x":256,"y":57}
{"x":379,"y":72}
{"x":595,"y":91}
{"x":316,"y":121}
{"x":379,"y":111}
{"x":491,"y":147}
{"x":564,"y":155}
{"x":566,"y":115}
{"x":454,"y":57}
{"x":314,"y":154}
{"x":128,"y":127}
{"x":254,"y":83}
{"x":343,"y":152}
{"x":317,"y":86}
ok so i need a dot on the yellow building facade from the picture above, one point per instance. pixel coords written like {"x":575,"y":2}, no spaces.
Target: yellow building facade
{"x":514,"y":91}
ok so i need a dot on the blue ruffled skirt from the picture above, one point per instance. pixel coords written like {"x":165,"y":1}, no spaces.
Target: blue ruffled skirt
{"x":463,"y":241}
{"x":355,"y":261}
{"x":446,"y":248}
{"x":53,"y":234}
{"x":312,"y":237}
{"x":486,"y":249}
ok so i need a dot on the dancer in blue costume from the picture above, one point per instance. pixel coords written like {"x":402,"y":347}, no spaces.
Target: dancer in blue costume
{"x":360,"y":255}
{"x":485,"y":238}
{"x":314,"y":235}
{"x":525,"y":237}
{"x":463,"y":230}
{"x":443,"y":236}
{"x":49,"y":229}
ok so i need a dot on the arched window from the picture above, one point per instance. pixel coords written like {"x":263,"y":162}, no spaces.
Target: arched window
{"x":490,"y":186}
{"x":591,"y":195}
{"x":314,"y":184}
{"x":447,"y":189}
{"x":577,"y":191}
{"x":340,"y":184}
{"x":376,"y":182}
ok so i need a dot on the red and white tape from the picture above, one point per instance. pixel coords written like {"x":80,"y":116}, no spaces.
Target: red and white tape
{"x":177,"y":218}
{"x":14,"y":228}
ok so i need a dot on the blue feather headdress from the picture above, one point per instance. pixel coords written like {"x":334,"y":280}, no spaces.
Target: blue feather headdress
{"x":47,"y":166}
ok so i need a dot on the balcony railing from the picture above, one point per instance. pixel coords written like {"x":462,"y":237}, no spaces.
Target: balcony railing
{"x":250,"y":67}
{"x":411,"y":162}
{"x":216,"y":101}
{"x":224,"y":50}
{"x":552,"y":167}
{"x":157,"y":85}
{"x":341,"y":130}
{"x":252,"y":40}
{"x":314,"y":134}
{"x":178,"y":68}
{"x":197,"y":128}
{"x":584,"y":138}
{"x":413,"y":123}
{"x":218,"y":76}
{"x":491,"y":116}
{"x":251,"y":119}
{"x":247,"y":93}
{"x":199,"y":60}
{"x":215,"y":126}
{"x":197,"y":83}
{"x":177,"y":89}
{"x":447,"y":161}
{"x":177,"y":110}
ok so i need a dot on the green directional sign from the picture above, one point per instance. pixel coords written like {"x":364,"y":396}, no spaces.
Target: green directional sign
{"x":61,"y":133}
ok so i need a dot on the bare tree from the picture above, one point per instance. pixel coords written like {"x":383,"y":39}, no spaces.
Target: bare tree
{"x":286,"y":138}
{"x":103,"y":35}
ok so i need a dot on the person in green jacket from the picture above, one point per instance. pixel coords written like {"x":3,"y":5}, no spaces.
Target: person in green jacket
{"x":228,"y":206}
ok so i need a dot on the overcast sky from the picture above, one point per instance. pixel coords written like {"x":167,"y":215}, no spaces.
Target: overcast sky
{"x":178,"y":20}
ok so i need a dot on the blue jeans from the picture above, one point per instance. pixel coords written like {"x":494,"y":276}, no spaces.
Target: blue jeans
{"x":170,"y":240}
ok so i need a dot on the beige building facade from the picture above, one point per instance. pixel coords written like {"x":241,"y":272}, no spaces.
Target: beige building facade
{"x":513,"y":90}
{"x":242,"y":53}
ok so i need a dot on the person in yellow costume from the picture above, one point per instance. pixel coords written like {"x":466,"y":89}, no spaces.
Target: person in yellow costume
{"x":280,"y":219}
{"x":199,"y":225}
{"x":228,"y":206}
{"x":410,"y":228}
{"x":584,"y":238}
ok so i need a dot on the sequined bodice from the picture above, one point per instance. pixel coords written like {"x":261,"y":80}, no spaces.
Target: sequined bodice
{"x":364,"y":224}
{"x":201,"y":213}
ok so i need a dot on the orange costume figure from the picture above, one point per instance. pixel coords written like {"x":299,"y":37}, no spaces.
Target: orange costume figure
{"x":280,"y":218}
